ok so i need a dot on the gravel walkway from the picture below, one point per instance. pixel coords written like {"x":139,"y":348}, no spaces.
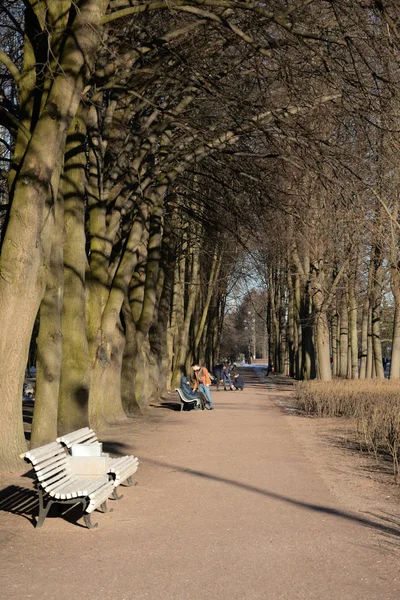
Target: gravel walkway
{"x":237,"y":503}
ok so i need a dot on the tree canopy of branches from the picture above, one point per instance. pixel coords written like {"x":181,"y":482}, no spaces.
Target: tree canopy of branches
{"x":143,"y":145}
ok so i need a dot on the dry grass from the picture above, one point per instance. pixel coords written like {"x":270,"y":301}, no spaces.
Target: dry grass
{"x":374,"y":404}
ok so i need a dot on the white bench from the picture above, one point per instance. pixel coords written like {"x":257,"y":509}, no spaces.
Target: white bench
{"x":121,"y":469}
{"x":199,"y":402}
{"x":56,"y":483}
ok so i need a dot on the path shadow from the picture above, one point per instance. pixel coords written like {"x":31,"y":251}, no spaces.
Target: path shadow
{"x":388,"y":526}
{"x":116,"y":448}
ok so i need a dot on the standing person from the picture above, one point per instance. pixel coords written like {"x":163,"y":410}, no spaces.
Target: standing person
{"x":226,"y":373}
{"x":217,"y":372}
{"x":202,"y":383}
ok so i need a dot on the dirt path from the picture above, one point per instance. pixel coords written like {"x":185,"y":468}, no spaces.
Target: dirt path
{"x":244,"y":502}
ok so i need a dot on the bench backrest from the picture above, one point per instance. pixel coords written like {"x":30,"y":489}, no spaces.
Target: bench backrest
{"x":183,"y":397}
{"x":80,"y":436}
{"x":49,"y":463}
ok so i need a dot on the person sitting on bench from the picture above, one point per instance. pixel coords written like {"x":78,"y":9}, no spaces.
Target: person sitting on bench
{"x":187,"y":390}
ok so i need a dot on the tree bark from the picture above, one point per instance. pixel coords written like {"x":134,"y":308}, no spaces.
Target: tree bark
{"x":75,"y":380}
{"x":49,"y":343}
{"x":26,"y":249}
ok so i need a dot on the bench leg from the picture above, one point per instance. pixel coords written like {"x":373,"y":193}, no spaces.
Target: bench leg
{"x":115,"y":495}
{"x":104,"y":507}
{"x":88,"y":522}
{"x":43,"y":510}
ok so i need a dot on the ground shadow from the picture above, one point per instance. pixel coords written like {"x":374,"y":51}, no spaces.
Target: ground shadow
{"x":117,"y":448}
{"x":25,"y":503}
{"x":168,"y":405}
{"x":389,"y":527}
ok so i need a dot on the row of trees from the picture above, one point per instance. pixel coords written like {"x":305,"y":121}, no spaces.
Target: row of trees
{"x":143,"y":145}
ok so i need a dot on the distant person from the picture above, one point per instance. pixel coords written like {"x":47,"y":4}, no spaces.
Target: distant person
{"x":238,"y":382}
{"x":270,"y":369}
{"x":218,"y":374}
{"x":226,"y":375}
{"x":202,"y":383}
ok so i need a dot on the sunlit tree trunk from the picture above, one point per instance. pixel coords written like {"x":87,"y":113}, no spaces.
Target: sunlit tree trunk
{"x":344,"y":336}
{"x":182,"y":348}
{"x":370,"y":349}
{"x":395,"y":287}
{"x":376,"y":303}
{"x":49,"y":343}
{"x":75,"y":378}
{"x":26,"y":249}
{"x":353,"y":326}
{"x":335,"y":344}
{"x":364,"y":338}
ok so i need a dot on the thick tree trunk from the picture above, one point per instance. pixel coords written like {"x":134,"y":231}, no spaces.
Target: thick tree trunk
{"x":27,"y":243}
{"x":75,"y":376}
{"x":182,"y":350}
{"x":105,"y":404}
{"x":323,"y":346}
{"x":48,"y":365}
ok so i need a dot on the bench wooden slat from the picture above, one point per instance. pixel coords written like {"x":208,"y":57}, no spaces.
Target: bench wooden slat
{"x":42,"y":464}
{"x":36,"y":456}
{"x":99,"y":496}
{"x":66,"y":485}
{"x":84,"y":435}
{"x":120,"y":462}
{"x":51,"y":470}
{"x":55,"y":479}
{"x":74,"y":434}
{"x":120,"y":468}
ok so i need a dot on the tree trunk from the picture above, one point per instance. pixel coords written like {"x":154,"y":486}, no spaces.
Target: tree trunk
{"x":323,"y":346}
{"x":28,"y":238}
{"x":75,"y":376}
{"x":353,"y":327}
{"x":370,"y":347}
{"x":376,"y":322}
{"x":335,"y":344}
{"x":344,"y":337}
{"x":364,"y":339}
{"x":183,"y":342}
{"x":48,"y":365}
{"x":395,"y":357}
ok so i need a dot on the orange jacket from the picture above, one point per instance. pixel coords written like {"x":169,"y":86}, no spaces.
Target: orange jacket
{"x":202,"y":376}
